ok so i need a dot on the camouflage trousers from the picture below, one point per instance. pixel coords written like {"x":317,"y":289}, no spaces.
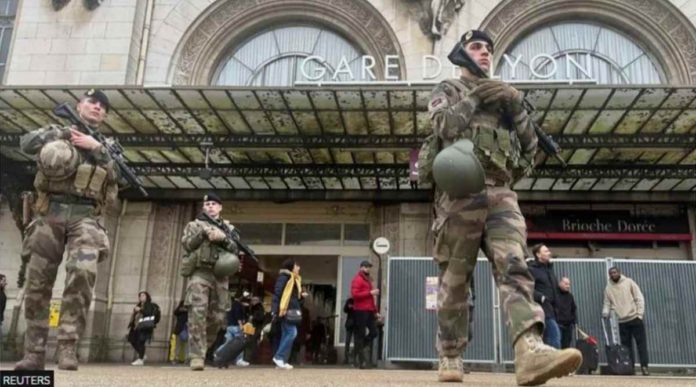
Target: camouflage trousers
{"x":490,"y":220}
{"x":207,"y":302}
{"x":65,"y":227}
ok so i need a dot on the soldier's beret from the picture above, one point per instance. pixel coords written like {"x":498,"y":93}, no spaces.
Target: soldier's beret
{"x":212,"y":197}
{"x":99,"y":96}
{"x":472,"y":35}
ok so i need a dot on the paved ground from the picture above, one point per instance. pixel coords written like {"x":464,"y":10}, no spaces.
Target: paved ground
{"x":94,"y":375}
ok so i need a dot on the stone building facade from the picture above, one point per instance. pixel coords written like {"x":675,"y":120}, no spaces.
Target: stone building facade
{"x":153,"y":43}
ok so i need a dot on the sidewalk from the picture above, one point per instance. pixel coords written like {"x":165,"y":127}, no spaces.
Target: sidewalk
{"x":95,"y":375}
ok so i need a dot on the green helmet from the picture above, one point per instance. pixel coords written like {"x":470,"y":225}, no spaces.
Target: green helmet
{"x":58,"y":159}
{"x":227,"y":264}
{"x":457,"y":171}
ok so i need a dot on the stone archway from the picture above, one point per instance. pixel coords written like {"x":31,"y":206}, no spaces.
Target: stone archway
{"x":655,"y":24}
{"x":227,"y":23}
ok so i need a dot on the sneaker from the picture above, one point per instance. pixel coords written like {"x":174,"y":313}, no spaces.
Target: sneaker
{"x":138,"y":362}
{"x":287,"y":366}
{"x":279,"y":363}
{"x":242,"y":363}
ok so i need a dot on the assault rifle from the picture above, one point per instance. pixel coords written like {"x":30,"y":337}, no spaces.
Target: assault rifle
{"x":114,"y":149}
{"x":233,"y":235}
{"x":459,"y":57}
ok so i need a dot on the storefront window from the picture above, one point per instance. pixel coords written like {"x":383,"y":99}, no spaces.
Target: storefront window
{"x":8,"y":10}
{"x":313,"y":234}
{"x":261,"y":233}
{"x":579,"y":51}
{"x":356,"y":235}
{"x":284,"y":55}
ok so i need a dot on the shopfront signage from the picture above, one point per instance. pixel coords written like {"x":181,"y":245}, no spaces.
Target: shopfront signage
{"x":607,"y":225}
{"x":362,"y":69}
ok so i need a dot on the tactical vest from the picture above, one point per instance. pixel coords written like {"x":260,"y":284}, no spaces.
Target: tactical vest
{"x":496,"y":146}
{"x":87,"y":181}
{"x":207,"y":253}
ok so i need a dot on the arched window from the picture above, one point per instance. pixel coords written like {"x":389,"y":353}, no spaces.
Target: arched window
{"x":284,"y":55}
{"x":579,"y":51}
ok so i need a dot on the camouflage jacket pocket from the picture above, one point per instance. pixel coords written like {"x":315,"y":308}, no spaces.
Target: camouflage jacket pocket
{"x":188,"y":265}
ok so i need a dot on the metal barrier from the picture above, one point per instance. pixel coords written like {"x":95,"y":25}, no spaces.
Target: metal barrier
{"x":669,"y":288}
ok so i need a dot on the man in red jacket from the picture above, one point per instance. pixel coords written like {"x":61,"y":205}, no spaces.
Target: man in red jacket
{"x":364,"y":311}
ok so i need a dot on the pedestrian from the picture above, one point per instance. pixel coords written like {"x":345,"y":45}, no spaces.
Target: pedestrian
{"x":285,"y":308}
{"x":349,"y":326}
{"x":566,"y":312}
{"x":75,"y":181}
{"x":257,"y":317}
{"x":236,"y":318}
{"x":143,"y":321}
{"x":623,"y":296}
{"x":364,"y":310}
{"x":546,"y":292}
{"x":489,"y":113}
{"x":180,"y":350}
{"x":303,"y":337}
{"x":210,"y":260}
{"x":3,"y":299}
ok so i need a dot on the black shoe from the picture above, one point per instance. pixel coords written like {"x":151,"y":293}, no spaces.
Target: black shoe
{"x":645,"y":371}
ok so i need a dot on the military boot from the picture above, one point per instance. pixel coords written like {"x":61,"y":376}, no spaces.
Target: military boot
{"x":67,"y":355}
{"x":451,"y":369}
{"x":197,"y":364}
{"x":32,"y":361}
{"x":536,"y":362}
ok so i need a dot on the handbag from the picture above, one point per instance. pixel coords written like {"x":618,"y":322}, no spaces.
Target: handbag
{"x":293,"y":316}
{"x":145,"y":323}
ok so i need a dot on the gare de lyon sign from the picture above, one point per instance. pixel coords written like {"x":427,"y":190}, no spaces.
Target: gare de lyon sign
{"x":432,"y":69}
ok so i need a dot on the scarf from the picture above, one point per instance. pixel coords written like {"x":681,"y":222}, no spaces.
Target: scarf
{"x":294,"y":280}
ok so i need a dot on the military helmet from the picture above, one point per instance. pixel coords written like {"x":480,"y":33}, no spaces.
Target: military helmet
{"x":457,"y":170}
{"x":227,"y":264}
{"x":58,"y":159}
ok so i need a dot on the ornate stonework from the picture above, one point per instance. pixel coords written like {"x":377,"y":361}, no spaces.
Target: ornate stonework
{"x":229,"y":22}
{"x":656,"y":24}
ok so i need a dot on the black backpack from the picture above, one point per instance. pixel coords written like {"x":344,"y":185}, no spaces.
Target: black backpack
{"x":157,"y":313}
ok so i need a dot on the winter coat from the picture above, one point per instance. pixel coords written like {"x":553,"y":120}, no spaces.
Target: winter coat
{"x":566,"y":310}
{"x":625,"y":298}
{"x":545,"y":286}
{"x":360,"y":289}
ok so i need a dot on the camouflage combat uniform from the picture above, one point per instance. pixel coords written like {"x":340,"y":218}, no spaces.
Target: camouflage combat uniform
{"x":206,"y":296}
{"x":490,"y":220}
{"x":67,"y":218}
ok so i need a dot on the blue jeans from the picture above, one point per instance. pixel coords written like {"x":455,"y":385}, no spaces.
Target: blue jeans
{"x":289,"y":332}
{"x":232,"y":332}
{"x":552,"y":333}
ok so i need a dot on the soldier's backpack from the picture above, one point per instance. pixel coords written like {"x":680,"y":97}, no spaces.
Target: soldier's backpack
{"x":432,"y":145}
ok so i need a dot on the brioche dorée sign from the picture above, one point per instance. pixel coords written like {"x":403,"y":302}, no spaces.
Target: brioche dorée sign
{"x":607,"y":225}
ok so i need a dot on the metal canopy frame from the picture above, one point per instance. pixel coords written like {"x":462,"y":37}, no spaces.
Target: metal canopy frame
{"x":352,"y":138}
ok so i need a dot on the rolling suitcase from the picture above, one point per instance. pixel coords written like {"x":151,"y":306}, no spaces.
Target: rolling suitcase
{"x":587,"y":345}
{"x":228,"y":352}
{"x":618,"y":357}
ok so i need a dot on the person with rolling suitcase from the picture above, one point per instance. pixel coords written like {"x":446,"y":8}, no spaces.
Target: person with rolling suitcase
{"x":232,"y":350}
{"x":618,"y":356}
{"x":624,"y":297}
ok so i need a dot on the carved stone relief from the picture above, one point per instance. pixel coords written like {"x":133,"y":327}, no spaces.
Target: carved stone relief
{"x":434,"y":16}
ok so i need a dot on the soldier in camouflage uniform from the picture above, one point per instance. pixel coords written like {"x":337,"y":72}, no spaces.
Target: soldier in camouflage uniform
{"x":490,"y":114}
{"x":76,"y":179}
{"x":206,"y":296}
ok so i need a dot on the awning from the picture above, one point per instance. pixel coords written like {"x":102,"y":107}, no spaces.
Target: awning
{"x":354,"y":142}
